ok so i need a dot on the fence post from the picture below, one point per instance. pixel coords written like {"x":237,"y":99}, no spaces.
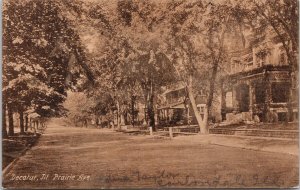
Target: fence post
{"x":37,"y":124}
{"x":171,"y":132}
{"x":34,"y":127}
{"x":151,"y":131}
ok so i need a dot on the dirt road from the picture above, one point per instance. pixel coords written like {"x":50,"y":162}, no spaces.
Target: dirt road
{"x":69,"y":157}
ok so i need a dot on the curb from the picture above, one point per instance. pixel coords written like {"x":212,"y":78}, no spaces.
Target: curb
{"x":9,"y":166}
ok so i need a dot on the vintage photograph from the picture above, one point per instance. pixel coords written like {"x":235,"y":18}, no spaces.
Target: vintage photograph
{"x":135,"y":94}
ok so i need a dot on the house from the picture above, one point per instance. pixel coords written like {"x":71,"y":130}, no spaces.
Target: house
{"x":258,"y":83}
{"x":176,"y":109}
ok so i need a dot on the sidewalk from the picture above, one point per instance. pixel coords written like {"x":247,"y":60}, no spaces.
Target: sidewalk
{"x":277,"y":145}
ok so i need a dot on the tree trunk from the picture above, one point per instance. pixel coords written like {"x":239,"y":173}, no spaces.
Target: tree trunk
{"x":21,"y":113}
{"x":26,"y":122}
{"x":4,"y":130}
{"x":212,"y":86}
{"x":145,"y":109}
{"x":118,"y":116}
{"x":210,"y":98}
{"x":126,"y":118}
{"x":150,"y":106}
{"x":132,"y":109}
{"x":201,"y":122}
{"x":150,"y":110}
{"x":10,"y":121}
{"x":292,"y":68}
{"x":289,"y":116}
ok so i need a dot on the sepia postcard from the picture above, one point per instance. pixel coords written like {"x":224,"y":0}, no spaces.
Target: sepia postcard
{"x":150,"y":94}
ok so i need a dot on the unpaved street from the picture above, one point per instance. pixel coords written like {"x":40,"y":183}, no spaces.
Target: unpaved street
{"x":69,"y":157}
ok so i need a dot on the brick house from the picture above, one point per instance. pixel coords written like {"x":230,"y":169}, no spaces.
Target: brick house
{"x":258,"y":83}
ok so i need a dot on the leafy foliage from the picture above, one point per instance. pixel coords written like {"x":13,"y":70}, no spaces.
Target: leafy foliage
{"x":38,"y":46}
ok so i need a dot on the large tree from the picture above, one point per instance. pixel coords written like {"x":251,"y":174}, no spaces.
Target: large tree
{"x":195,"y":33}
{"x":128,"y":58}
{"x":39,"y":48}
{"x":158,"y":38}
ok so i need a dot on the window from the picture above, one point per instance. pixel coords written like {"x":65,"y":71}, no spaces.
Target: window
{"x":201,"y":92}
{"x":235,"y":66}
{"x":238,"y":65}
{"x":280,"y":92}
{"x":282,"y":116}
{"x":262,"y":61}
{"x":261,"y":57}
{"x":201,"y":108}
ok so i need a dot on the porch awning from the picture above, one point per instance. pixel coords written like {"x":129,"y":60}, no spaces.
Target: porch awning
{"x":178,"y":105}
{"x":181,"y":106}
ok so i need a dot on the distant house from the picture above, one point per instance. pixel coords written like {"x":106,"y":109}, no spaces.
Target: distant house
{"x":176,"y":108}
{"x":258,"y":83}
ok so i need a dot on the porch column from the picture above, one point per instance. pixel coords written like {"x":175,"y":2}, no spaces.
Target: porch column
{"x":122,"y":119}
{"x":156,"y":118}
{"x":235,"y":102}
{"x":251,"y":98}
{"x":158,"y":115}
{"x":268,"y":95}
{"x":223,"y":102}
{"x":188,"y":115}
{"x":168,"y":117}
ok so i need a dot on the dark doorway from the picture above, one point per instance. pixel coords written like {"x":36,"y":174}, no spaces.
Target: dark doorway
{"x":243,"y":97}
{"x":260,"y":93}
